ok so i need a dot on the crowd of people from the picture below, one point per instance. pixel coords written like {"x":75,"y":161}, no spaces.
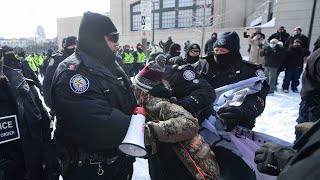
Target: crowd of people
{"x":92,"y":89}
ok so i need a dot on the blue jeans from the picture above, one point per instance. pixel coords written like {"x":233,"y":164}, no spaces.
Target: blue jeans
{"x":292,"y":74}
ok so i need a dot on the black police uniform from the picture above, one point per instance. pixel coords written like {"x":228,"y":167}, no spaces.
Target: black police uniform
{"x":232,"y":166}
{"x":23,"y":156}
{"x":55,"y":60}
{"x":93,"y":107}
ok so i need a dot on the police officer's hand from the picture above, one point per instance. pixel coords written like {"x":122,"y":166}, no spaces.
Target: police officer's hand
{"x":271,"y":158}
{"x":230,"y":116}
{"x":160,"y":91}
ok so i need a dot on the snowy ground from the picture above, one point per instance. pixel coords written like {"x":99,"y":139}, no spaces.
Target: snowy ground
{"x":278,"y":119}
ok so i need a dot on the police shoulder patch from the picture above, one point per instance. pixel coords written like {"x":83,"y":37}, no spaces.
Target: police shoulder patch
{"x":189,"y":75}
{"x":79,"y":84}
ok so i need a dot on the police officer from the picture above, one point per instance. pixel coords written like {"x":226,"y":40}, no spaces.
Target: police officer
{"x":128,"y":59}
{"x":20,"y":64}
{"x":24,"y":130}
{"x":93,"y":100}
{"x":139,"y":59}
{"x":68,"y":45}
{"x":227,"y":67}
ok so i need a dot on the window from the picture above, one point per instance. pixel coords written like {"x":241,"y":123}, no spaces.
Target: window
{"x":185,"y":18}
{"x":185,"y":3}
{"x":136,"y":22}
{"x":156,"y":20}
{"x":168,"y":19}
{"x":174,"y":13}
{"x":168,"y":3}
{"x":136,"y":8}
{"x":203,"y":21}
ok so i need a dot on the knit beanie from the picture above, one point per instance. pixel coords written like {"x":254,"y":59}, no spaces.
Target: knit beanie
{"x":151,"y":74}
{"x":228,"y":40}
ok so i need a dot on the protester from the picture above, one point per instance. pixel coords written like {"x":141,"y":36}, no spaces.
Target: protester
{"x":209,"y":43}
{"x":177,"y":151}
{"x":280,"y":35}
{"x":297,"y":34}
{"x":257,"y":44}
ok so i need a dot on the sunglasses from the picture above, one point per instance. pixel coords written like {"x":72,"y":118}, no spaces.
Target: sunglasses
{"x":113,"y":37}
{"x":194,"y":51}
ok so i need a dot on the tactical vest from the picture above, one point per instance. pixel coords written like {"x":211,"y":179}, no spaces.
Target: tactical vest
{"x":141,"y":57}
{"x":128,"y":58}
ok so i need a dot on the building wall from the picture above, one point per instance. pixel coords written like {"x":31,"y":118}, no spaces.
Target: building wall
{"x":289,"y":13}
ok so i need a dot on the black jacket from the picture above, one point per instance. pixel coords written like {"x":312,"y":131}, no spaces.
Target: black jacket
{"x":274,"y":57}
{"x":192,"y":91}
{"x":209,"y":44}
{"x":295,"y":57}
{"x":303,"y":38}
{"x":53,"y":63}
{"x":281,"y":36}
{"x":93,"y":104}
{"x":33,"y":120}
{"x":305,"y":163}
{"x":254,"y":104}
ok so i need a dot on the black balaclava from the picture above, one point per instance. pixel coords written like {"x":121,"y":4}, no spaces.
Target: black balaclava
{"x":126,"y":48}
{"x":70,"y":40}
{"x":9,"y":58}
{"x":230,"y":41}
{"x":190,"y":59}
{"x":93,"y":28}
{"x":174,"y":48}
{"x":139,"y":49}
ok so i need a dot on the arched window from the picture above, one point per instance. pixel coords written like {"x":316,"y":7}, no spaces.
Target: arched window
{"x":175,"y":14}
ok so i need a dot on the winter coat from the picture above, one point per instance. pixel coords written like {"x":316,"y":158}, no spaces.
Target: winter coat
{"x":209,"y":44}
{"x":53,"y":63}
{"x":34,"y":123}
{"x":176,"y":130}
{"x":254,"y":104}
{"x":167,"y":45}
{"x":317,"y":44}
{"x":281,"y":36}
{"x":93,"y":105}
{"x":303,"y":38}
{"x":295,"y":57}
{"x":192,"y":91}
{"x":305,"y":163}
{"x":256,"y":48}
{"x":274,"y":57}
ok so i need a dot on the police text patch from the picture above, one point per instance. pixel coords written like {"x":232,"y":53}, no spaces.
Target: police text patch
{"x":79,"y":84}
{"x":9,"y":129}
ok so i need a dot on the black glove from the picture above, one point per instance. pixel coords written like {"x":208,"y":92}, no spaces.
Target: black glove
{"x":230,"y":116}
{"x":160,"y":91}
{"x":271,"y":158}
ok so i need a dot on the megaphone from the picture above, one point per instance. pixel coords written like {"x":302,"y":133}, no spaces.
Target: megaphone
{"x":133,"y":143}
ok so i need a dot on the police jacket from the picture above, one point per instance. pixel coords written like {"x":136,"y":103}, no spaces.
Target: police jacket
{"x":55,"y":60}
{"x":33,"y":120}
{"x":311,"y":76}
{"x":305,"y":163}
{"x":254,"y":104}
{"x":93,"y":104}
{"x":192,"y":91}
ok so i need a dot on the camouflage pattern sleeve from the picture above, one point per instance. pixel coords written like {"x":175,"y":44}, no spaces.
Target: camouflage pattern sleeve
{"x":171,"y":122}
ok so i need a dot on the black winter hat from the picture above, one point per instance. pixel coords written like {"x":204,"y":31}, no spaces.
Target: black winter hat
{"x":70,"y":40}
{"x":93,"y":28}
{"x":192,"y":46}
{"x":174,"y":47}
{"x":228,"y":40}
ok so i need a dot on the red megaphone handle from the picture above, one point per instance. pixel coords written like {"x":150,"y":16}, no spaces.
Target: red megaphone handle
{"x":140,"y":110}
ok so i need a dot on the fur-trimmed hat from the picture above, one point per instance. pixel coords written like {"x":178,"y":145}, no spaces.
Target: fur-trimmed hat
{"x":228,"y":40}
{"x":151,"y":74}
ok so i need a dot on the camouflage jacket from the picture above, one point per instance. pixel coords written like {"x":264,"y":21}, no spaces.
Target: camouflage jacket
{"x":173,"y":124}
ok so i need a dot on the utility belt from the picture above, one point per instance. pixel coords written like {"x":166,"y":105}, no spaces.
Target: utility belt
{"x":71,"y":157}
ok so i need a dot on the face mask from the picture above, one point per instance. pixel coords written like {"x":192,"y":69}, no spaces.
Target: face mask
{"x":272,"y":45}
{"x":224,"y":59}
{"x":139,"y":50}
{"x":69,"y":51}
